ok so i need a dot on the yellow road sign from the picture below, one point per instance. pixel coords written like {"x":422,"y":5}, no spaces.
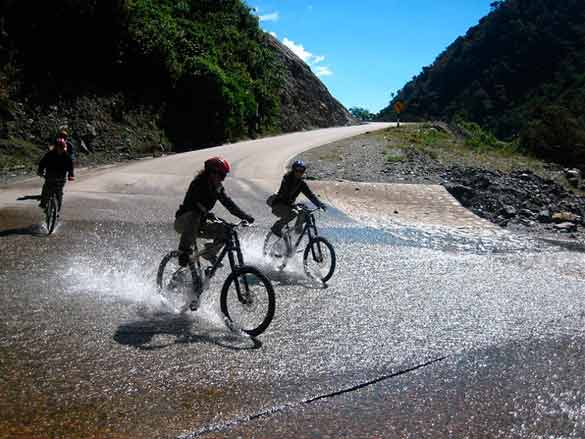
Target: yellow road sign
{"x":399,"y":106}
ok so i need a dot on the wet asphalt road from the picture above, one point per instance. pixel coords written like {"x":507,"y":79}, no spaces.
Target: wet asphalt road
{"x":416,"y":335}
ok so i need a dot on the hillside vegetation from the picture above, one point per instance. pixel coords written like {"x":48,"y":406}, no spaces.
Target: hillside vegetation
{"x":520,"y":73}
{"x":204,"y":61}
{"x":127,"y":75}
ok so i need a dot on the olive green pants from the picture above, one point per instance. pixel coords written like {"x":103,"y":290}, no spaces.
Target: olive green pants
{"x":191,"y":226}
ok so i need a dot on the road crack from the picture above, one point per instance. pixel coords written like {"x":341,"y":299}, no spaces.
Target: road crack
{"x":227,"y":425}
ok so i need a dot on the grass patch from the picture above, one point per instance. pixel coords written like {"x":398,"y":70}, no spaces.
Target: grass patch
{"x":394,"y":155}
{"x":19,"y":154}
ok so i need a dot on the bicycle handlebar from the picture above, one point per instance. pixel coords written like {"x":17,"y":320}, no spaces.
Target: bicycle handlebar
{"x":242,"y":223}
{"x":307,"y":209}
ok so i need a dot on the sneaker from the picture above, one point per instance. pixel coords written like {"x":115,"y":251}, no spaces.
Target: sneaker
{"x":183,"y":259}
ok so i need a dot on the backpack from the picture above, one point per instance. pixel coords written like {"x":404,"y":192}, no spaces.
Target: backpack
{"x":271,"y":199}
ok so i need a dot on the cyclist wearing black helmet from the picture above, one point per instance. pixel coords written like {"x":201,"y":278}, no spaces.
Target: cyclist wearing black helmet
{"x":283,"y":202}
{"x":193,"y":215}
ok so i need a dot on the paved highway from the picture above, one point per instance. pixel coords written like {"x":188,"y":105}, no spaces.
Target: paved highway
{"x":437,"y":331}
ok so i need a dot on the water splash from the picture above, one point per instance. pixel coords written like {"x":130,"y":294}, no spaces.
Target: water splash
{"x":120,"y":278}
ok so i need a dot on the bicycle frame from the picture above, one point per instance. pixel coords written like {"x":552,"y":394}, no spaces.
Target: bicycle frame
{"x":310,"y":229}
{"x":232,"y":249}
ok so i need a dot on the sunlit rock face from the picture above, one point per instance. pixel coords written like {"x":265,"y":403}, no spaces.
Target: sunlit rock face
{"x":305,"y":102}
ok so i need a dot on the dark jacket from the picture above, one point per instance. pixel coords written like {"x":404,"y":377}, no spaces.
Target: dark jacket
{"x":291,"y":187}
{"x":202,"y":196}
{"x":56,"y":166}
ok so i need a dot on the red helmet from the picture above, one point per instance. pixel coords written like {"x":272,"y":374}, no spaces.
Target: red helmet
{"x":217,"y":164}
{"x":61,"y":142}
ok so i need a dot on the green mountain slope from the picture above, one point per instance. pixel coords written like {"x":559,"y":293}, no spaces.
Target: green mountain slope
{"x":126,"y":75}
{"x":519,"y":73}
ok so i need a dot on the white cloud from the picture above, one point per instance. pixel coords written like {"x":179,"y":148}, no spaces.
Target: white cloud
{"x":323,"y":71}
{"x":302,"y":53}
{"x":273,"y":34}
{"x":273,"y":16}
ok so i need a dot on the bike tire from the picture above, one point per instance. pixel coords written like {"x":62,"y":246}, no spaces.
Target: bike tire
{"x":51,"y":211}
{"x":165,"y":271}
{"x":267,"y":250}
{"x":314,"y":251}
{"x":262,"y":291}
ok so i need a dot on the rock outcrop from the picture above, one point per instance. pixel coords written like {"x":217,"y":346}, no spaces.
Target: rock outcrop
{"x":305,"y":101}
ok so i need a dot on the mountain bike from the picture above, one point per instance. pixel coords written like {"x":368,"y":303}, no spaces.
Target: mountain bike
{"x":318,"y":255}
{"x":52,"y":202}
{"x":247,"y":297}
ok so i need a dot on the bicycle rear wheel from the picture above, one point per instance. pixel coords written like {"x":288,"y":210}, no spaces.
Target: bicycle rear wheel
{"x":319,"y":259}
{"x":174,"y":280}
{"x":247,"y":300}
{"x":275,"y":249}
{"x":51,"y":210}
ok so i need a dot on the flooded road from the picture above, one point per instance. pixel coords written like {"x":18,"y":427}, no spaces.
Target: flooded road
{"x":420,"y":333}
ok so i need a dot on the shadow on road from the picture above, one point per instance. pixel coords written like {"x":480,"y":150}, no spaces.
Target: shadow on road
{"x":33,"y":230}
{"x":141,"y":333}
{"x":30,"y":197}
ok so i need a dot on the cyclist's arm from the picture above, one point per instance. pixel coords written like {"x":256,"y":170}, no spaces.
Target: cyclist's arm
{"x":306,"y":190}
{"x":231,"y":206}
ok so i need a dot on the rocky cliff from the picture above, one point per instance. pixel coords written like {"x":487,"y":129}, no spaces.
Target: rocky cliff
{"x":305,"y":101}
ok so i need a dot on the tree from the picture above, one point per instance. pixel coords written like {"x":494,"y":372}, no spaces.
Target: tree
{"x":361,"y":113}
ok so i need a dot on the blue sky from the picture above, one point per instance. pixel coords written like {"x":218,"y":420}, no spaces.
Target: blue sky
{"x":364,"y":50}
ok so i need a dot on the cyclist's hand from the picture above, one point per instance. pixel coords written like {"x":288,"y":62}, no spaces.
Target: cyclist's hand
{"x":249,"y":219}
{"x":211,"y":217}
{"x":70,"y":178}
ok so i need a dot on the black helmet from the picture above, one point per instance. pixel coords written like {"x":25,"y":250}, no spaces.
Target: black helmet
{"x":298,"y":165}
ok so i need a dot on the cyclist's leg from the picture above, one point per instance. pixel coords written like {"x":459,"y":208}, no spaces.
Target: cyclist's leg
{"x":59,"y":185}
{"x":285,"y":214}
{"x":216,"y":231}
{"x":44,"y":193}
{"x":188,"y":226}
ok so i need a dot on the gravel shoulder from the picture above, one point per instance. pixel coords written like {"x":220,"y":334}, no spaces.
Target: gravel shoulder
{"x":512,"y":191}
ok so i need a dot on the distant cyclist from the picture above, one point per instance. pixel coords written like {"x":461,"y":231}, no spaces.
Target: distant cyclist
{"x":64,"y":134}
{"x":193,"y":219}
{"x":283,"y":201}
{"x":56,"y":166}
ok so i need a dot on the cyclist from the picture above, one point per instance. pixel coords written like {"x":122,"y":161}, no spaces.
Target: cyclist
{"x":282,"y":202}
{"x":194,"y":217}
{"x":64,"y":134}
{"x":55,"y":166}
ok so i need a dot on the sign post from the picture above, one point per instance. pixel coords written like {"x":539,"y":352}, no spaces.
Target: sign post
{"x":399,"y":107}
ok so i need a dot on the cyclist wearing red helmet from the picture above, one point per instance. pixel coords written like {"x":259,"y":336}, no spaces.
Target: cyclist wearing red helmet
{"x":55,"y":166}
{"x":191,"y":220}
{"x":282,"y":202}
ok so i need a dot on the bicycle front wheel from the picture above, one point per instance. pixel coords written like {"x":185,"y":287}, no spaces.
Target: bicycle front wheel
{"x":319,"y":259}
{"x":51,"y":211}
{"x":247,"y":300}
